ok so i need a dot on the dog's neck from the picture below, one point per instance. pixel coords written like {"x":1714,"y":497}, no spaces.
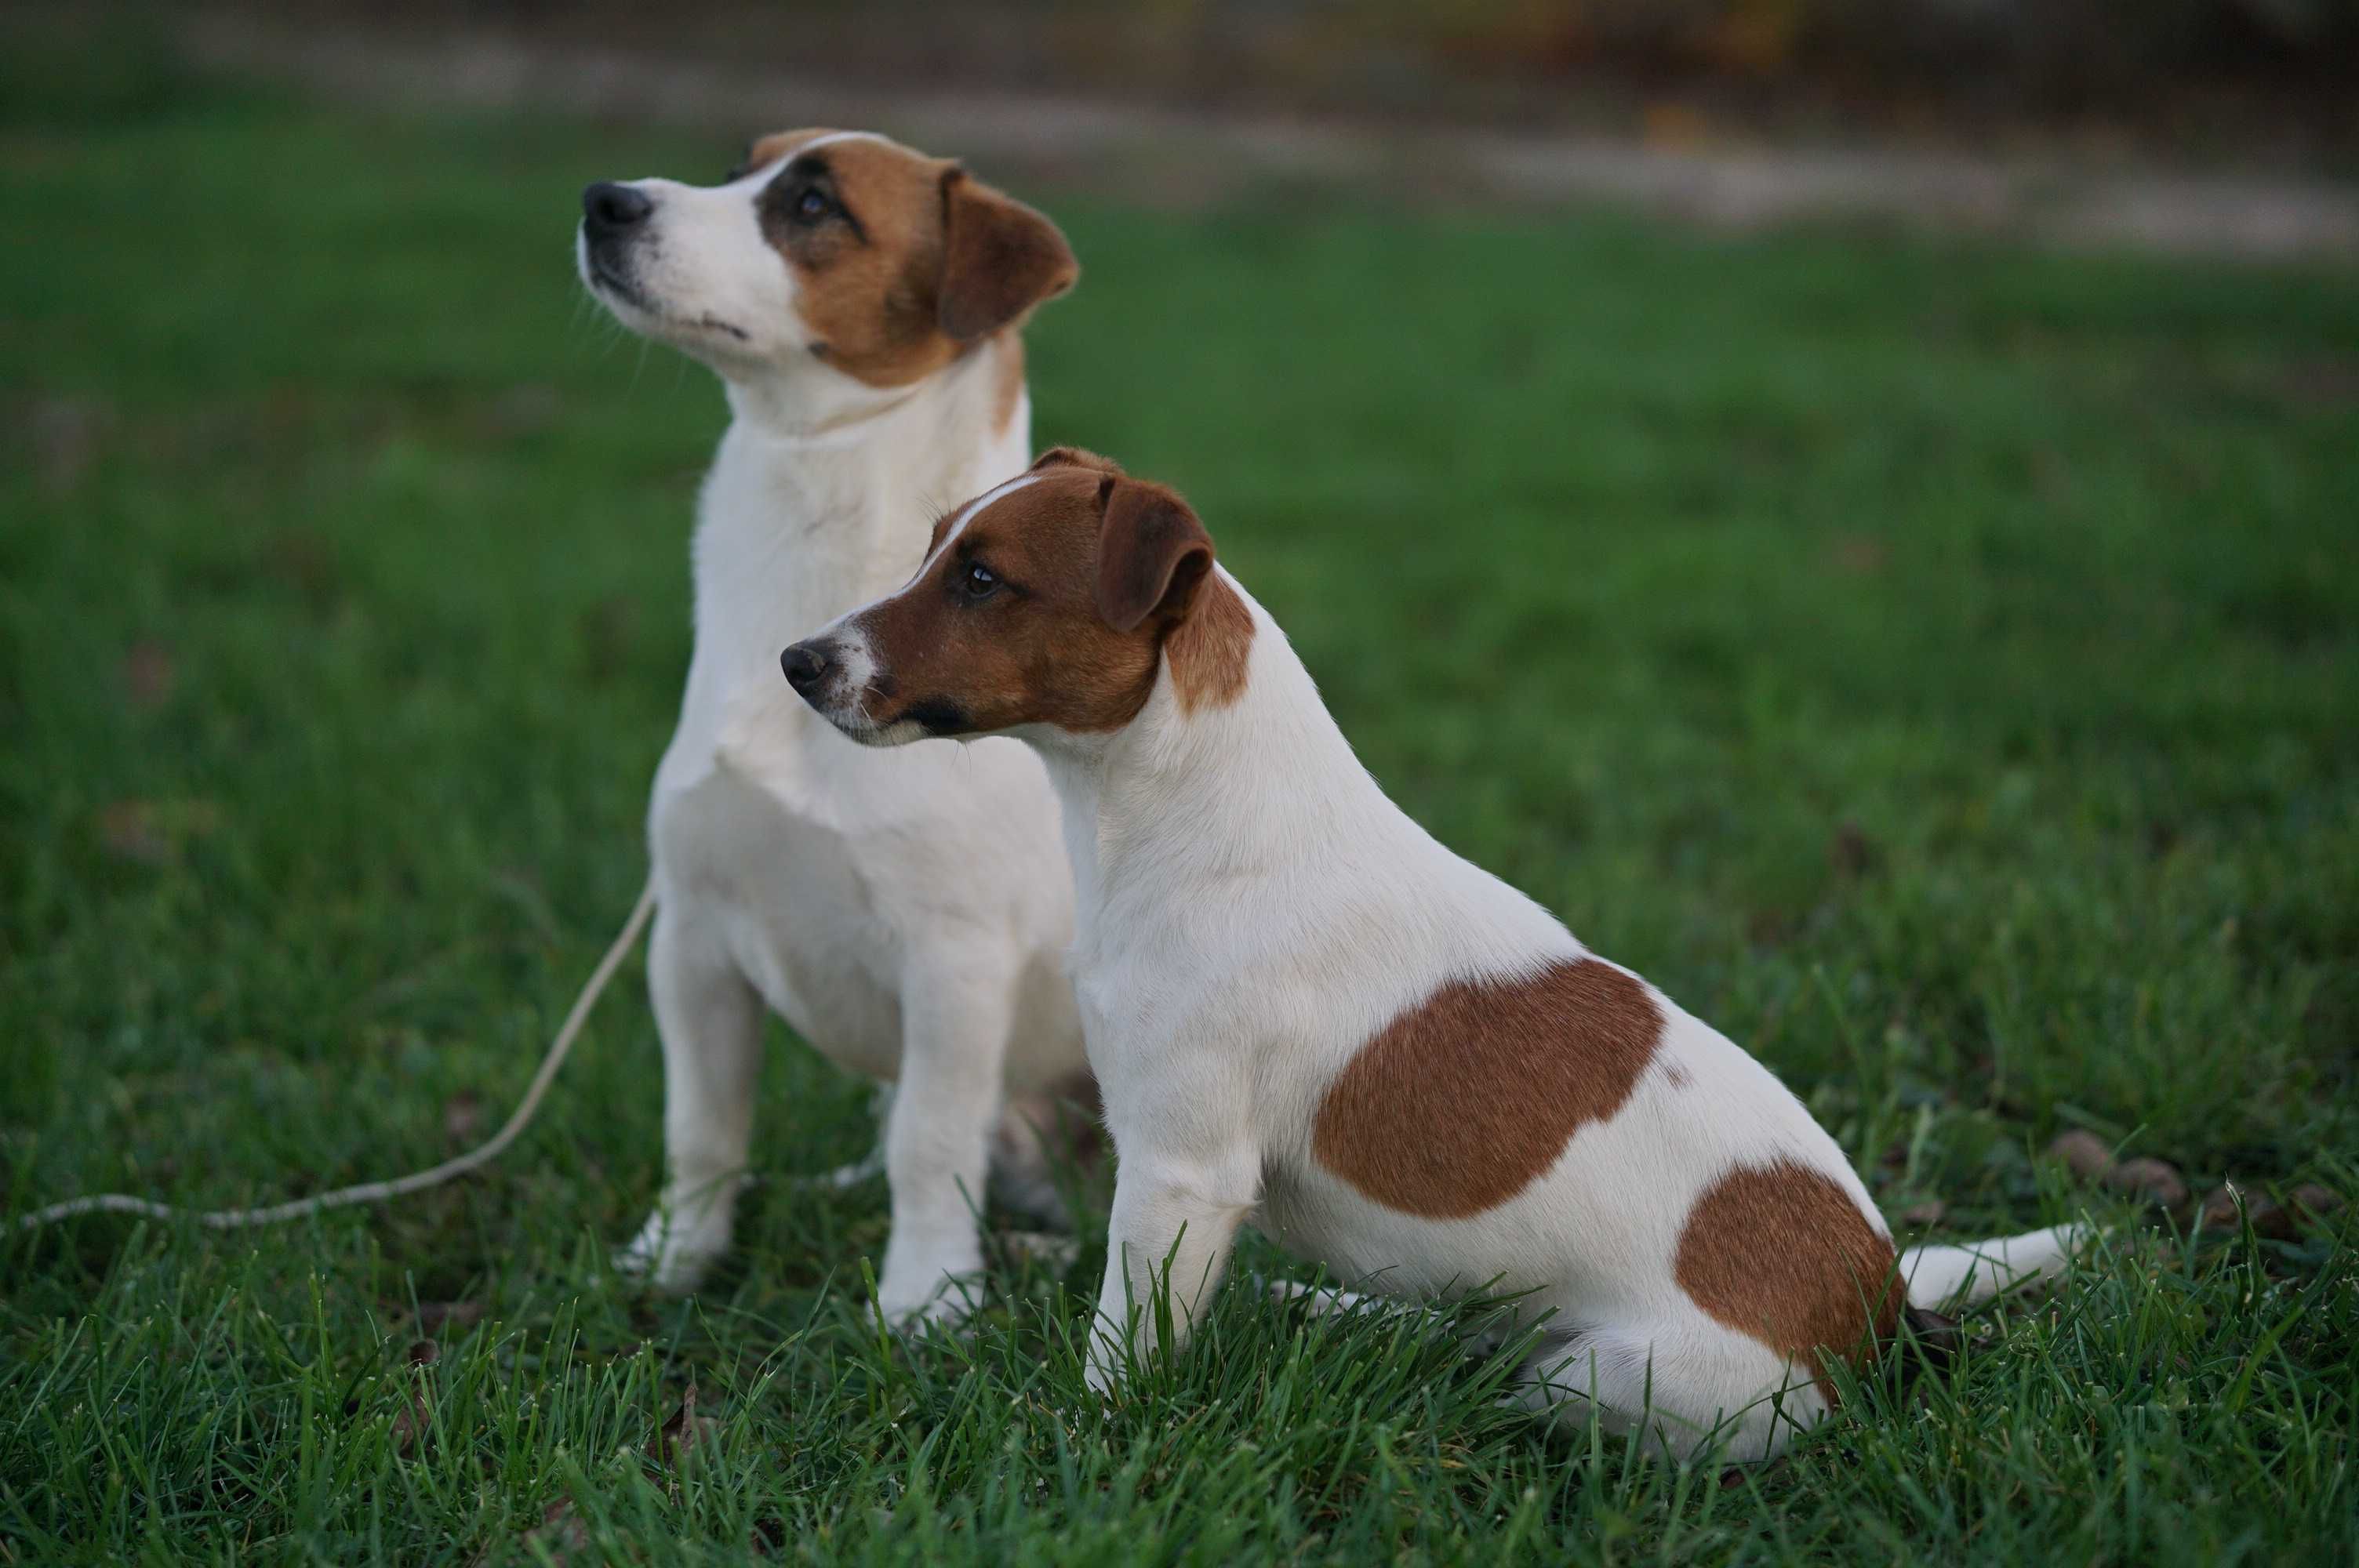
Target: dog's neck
{"x":823,"y":500}
{"x":1254,"y":787}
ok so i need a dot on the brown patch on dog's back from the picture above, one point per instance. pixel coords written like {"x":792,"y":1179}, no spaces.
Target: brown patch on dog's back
{"x":1782,"y":1254}
{"x":1458,"y":1104}
{"x":1209,"y":652}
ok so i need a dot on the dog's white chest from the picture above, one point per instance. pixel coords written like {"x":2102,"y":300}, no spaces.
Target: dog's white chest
{"x":750,"y":842}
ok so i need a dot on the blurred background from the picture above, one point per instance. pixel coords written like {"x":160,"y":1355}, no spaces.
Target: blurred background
{"x":1855,"y":505}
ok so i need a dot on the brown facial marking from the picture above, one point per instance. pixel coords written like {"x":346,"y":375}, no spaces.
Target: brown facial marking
{"x":1782,"y":1254}
{"x":1035,"y":650}
{"x":1095,"y":576}
{"x":1457,"y":1104}
{"x":908,"y":263}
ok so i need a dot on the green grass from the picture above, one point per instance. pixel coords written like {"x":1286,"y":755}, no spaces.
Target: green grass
{"x":1937,"y":666}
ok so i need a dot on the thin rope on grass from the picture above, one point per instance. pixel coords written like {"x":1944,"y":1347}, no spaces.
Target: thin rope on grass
{"x":377,"y":1192}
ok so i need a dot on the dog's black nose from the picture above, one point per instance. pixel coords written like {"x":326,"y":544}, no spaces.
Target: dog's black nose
{"x":611,"y":209}
{"x":804,"y":665}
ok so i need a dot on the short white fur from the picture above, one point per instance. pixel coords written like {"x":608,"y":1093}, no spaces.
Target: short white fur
{"x":1252,"y":910}
{"x":907,"y":913}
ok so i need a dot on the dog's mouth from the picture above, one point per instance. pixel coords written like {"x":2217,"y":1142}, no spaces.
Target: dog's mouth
{"x":849,"y":714}
{"x":606,"y":276}
{"x":609,"y":279}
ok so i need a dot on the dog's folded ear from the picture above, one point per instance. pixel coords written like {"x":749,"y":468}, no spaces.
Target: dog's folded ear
{"x":1153,"y":553}
{"x":1074,"y":456}
{"x":1000,"y":258}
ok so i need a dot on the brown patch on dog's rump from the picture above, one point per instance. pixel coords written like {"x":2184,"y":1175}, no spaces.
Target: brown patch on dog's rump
{"x":912,"y":262}
{"x":1460,"y":1103}
{"x":1209,"y":651}
{"x":1782,"y":1254}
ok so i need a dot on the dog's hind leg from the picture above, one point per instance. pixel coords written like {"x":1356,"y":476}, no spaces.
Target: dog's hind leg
{"x":1685,"y":1386}
{"x":709,"y":1019}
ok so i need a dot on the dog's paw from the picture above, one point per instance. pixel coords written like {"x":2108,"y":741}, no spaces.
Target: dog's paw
{"x":1103,"y":1371}
{"x":944,"y":1301}
{"x":672,"y":1254}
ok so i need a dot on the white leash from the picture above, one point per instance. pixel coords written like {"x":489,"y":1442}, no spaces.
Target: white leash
{"x":377,"y":1192}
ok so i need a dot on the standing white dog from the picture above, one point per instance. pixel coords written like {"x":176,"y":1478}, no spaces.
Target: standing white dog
{"x":907,"y":915}
{"x":1303,"y":1009}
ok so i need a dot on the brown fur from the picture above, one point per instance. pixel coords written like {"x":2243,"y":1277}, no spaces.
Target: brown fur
{"x":1782,"y":1253}
{"x":918,"y":264}
{"x":1099,"y":578}
{"x":1210,"y":650}
{"x":1458,"y":1104}
{"x":1036,"y":651}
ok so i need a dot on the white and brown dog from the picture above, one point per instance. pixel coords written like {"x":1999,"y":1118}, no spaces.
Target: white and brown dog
{"x":907,"y":915}
{"x":1303,"y":1009}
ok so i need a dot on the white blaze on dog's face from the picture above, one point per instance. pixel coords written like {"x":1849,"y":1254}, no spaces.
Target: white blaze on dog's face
{"x":830,"y":248}
{"x":1052,"y":602}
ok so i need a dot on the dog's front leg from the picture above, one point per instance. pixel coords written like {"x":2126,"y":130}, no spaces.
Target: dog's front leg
{"x":1175,"y":1221}
{"x":957,"y":1012}
{"x":710,"y":1020}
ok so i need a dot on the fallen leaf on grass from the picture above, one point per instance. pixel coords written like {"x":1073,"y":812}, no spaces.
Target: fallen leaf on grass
{"x":1929,"y":1212}
{"x":1935,"y":1337}
{"x":560,"y":1533}
{"x":147,"y":674}
{"x":463,"y":1117}
{"x":2220,"y":1206}
{"x":2087,"y":1156}
{"x":411,"y":1423}
{"x":2312,"y":1203}
{"x":2156,"y":1181}
{"x":432,"y":1316}
{"x":682,"y":1432}
{"x":154,"y":831}
{"x":1851,"y":853}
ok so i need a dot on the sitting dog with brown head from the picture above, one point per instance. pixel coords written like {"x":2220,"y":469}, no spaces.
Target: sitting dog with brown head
{"x":907,"y":913}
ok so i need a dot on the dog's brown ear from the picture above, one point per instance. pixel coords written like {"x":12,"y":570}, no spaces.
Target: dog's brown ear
{"x":1152,"y":553}
{"x":1074,"y":456}
{"x":1000,"y":258}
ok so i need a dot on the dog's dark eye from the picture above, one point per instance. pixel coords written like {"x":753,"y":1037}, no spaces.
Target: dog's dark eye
{"x":813,"y":203}
{"x":978,"y":582}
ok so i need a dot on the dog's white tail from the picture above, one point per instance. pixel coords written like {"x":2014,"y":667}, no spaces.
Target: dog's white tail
{"x":1942,"y":1277}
